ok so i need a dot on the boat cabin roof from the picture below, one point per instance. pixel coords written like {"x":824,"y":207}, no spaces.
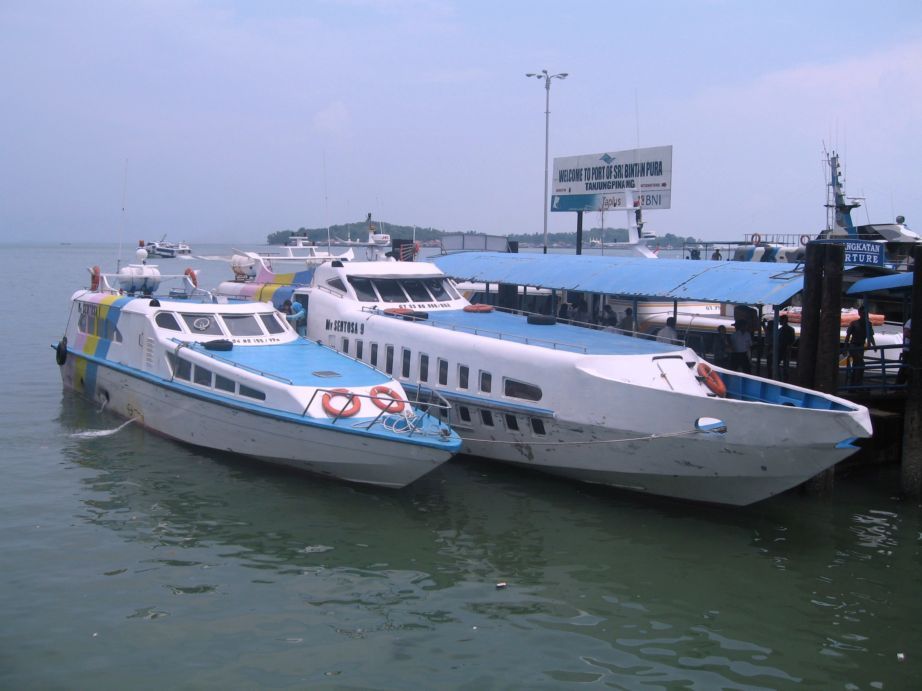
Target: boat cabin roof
{"x":564,"y":337}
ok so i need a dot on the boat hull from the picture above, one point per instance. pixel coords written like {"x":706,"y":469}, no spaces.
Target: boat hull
{"x":321,"y":449}
{"x":654,"y":444}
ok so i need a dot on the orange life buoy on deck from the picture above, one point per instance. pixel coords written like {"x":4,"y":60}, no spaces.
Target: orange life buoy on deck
{"x":348,"y":411}
{"x":711,"y":379}
{"x":756,"y":238}
{"x":398,"y":310}
{"x":190,"y":272}
{"x":478,"y":308}
{"x":391,"y":404}
{"x":804,"y":239}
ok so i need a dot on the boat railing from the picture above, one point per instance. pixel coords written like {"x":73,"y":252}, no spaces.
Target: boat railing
{"x":180,"y":344}
{"x":397,"y":420}
{"x":480,"y":331}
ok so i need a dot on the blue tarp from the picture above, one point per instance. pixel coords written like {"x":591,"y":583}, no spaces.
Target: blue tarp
{"x":750,"y":283}
{"x":898,"y":281}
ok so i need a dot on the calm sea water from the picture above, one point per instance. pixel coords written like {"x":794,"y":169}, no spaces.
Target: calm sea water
{"x":130,"y":561}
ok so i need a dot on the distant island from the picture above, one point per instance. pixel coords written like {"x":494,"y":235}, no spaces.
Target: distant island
{"x":431,"y":236}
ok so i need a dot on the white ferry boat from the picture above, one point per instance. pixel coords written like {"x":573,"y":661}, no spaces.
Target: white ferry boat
{"x":586,"y":404}
{"x":167,"y":250}
{"x":233,"y":376}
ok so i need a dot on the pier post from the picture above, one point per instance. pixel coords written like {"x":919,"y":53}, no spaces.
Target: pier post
{"x":911,"y":465}
{"x":810,"y":314}
{"x":579,"y":232}
{"x":826,"y":375}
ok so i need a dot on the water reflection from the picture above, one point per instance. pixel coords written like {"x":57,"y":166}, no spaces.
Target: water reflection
{"x":603,"y":587}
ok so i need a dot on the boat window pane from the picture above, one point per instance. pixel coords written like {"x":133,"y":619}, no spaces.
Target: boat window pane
{"x":389,"y":359}
{"x":537,"y":426}
{"x":82,"y":323}
{"x":519,"y":389}
{"x":389,"y":290}
{"x":423,"y":367}
{"x":443,"y":372}
{"x":224,"y":384}
{"x":337,"y":284}
{"x":272,"y":323}
{"x":416,"y":290}
{"x":118,"y":336}
{"x":358,"y":349}
{"x":437,"y":287}
{"x":405,"y":365}
{"x":167,"y":320}
{"x":202,"y":376}
{"x":512,"y":423}
{"x":486,"y":381}
{"x":345,"y":347}
{"x":464,"y":373}
{"x":242,"y":324}
{"x":364,"y":291}
{"x":464,"y":413}
{"x":252,"y":393}
{"x":487,"y":417}
{"x":183,"y":369}
{"x":202,"y":324}
{"x":374,"y":355}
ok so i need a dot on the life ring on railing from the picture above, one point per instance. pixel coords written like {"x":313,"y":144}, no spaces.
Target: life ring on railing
{"x":392,"y":404}
{"x":712,"y":380}
{"x":95,"y":278}
{"x":351,"y":409}
{"x":756,"y":238}
{"x":804,"y":239}
{"x":193,"y":277}
{"x":478,"y":308}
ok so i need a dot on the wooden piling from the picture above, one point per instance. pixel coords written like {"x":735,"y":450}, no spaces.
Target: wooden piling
{"x":828,"y":346}
{"x":911,"y":467}
{"x":810,"y":314}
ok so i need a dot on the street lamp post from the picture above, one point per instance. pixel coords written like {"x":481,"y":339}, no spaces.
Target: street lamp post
{"x":547,"y":131}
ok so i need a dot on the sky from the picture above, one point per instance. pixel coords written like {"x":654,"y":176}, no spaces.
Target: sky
{"x":215,"y":121}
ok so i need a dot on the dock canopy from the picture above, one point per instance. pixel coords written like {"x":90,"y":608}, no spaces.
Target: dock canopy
{"x":749,"y":283}
{"x":902,"y":280}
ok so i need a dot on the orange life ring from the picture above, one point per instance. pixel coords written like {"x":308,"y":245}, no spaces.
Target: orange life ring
{"x":351,"y":409}
{"x":392,"y":404}
{"x":95,"y":278}
{"x":478,"y":308}
{"x":190,"y":272}
{"x":804,"y":239}
{"x":711,"y":379}
{"x":398,"y":310}
{"x":756,"y":238}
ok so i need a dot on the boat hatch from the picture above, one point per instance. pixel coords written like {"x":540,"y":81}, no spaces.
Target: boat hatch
{"x":328,"y":374}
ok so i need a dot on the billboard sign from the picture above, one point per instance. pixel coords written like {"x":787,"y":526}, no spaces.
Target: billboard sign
{"x":864,"y":253}
{"x":613,"y":180}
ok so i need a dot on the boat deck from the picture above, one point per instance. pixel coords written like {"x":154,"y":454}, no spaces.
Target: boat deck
{"x":301,"y":363}
{"x":560,"y":336}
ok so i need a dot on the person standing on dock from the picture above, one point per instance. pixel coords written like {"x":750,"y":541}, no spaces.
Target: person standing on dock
{"x":786,"y":338}
{"x":858,"y":336}
{"x":716,"y":256}
{"x":627,"y":322}
{"x":740,"y":347}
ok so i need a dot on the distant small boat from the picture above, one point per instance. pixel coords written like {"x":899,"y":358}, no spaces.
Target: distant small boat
{"x":167,"y":250}
{"x":234,"y":376}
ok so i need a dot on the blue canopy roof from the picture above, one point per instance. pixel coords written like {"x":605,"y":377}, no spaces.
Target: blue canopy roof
{"x":898,"y":281}
{"x":750,"y":283}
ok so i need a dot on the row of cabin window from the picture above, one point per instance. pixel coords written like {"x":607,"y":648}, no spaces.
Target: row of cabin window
{"x":207,"y":324}
{"x":511,"y":387}
{"x":399,"y":290}
{"x":187,"y":371}
{"x":512,"y":422}
{"x":96,"y":326}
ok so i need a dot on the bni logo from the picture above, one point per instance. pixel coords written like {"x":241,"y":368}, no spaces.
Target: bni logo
{"x":606,"y":159}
